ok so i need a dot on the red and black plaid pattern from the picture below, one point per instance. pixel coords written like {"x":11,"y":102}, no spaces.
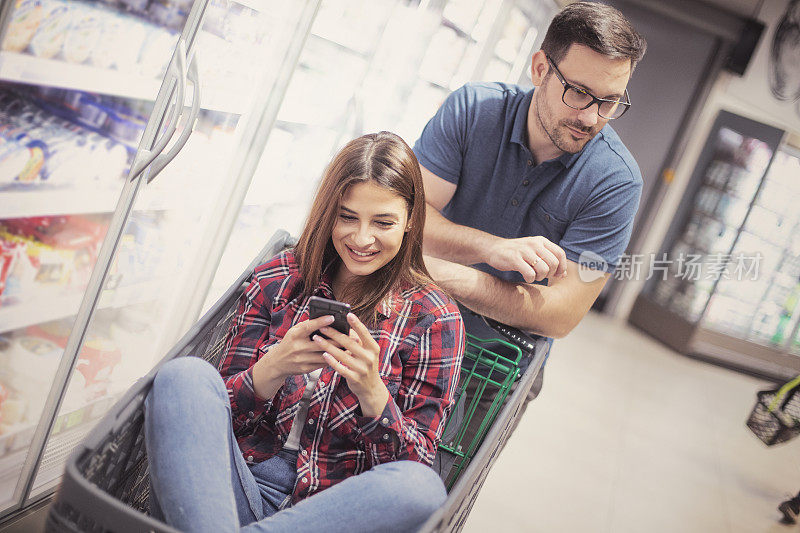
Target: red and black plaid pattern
{"x":421,"y":336}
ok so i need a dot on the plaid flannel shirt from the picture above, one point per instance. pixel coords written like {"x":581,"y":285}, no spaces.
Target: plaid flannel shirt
{"x":421,"y":338}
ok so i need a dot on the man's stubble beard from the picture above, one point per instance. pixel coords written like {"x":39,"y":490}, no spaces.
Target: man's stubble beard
{"x":556,"y":135}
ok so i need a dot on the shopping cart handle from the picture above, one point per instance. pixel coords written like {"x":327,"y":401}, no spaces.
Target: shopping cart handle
{"x":516,"y":336}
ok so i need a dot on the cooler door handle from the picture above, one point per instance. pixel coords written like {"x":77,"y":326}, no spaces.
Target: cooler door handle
{"x":177,"y":70}
{"x":163,"y":160}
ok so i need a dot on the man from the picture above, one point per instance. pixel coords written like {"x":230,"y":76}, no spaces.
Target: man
{"x":526,"y":187}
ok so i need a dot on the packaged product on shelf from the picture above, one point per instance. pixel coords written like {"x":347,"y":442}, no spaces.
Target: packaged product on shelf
{"x":19,"y":163}
{"x":119,"y":43}
{"x":132,"y":331}
{"x":141,"y":250}
{"x":125,"y":128}
{"x":48,"y":40}
{"x":156,"y":52}
{"x":97,"y":359}
{"x":166,"y":14}
{"x":26,"y":15}
{"x":51,"y":252}
{"x":8,"y":256}
{"x":135,"y":6}
{"x":83,"y":34}
{"x":27,"y":366}
{"x":36,"y":146}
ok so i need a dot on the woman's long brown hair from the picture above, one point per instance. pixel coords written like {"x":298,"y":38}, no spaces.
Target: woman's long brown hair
{"x":385,"y":159}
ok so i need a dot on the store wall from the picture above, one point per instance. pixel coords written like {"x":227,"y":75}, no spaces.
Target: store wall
{"x":749,"y":96}
{"x":662,"y":91}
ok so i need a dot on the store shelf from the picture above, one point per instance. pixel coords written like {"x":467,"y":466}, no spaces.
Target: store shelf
{"x":41,"y":201}
{"x":38,"y":202}
{"x":45,"y":309}
{"x":25,"y":68}
{"x":32,"y":70}
{"x":255,"y":5}
{"x":340,"y":45}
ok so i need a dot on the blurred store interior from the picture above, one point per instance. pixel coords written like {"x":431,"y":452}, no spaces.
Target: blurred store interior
{"x":705,"y":303}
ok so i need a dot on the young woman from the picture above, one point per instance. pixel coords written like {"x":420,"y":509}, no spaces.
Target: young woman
{"x":308,"y":429}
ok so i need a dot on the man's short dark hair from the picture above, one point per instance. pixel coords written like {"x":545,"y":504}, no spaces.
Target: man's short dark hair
{"x":598,"y":26}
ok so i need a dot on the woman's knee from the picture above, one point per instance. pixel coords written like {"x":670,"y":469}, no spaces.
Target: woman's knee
{"x":188,"y":373}
{"x":420,"y":489}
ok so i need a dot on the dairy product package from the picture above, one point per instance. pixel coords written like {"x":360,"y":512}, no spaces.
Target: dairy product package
{"x":15,"y":158}
{"x":26,"y":15}
{"x":156,"y":52}
{"x":28,"y":365}
{"x":167,"y":14}
{"x":84,"y":32}
{"x":135,"y":6}
{"x":49,"y":37}
{"x":120,"y":42}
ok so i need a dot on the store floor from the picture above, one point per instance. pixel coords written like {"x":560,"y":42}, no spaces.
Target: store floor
{"x":628,"y":436}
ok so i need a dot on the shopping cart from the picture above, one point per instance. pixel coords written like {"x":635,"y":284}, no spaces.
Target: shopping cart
{"x":105,"y":486}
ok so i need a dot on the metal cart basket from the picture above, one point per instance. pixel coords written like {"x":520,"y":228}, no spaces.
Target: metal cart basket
{"x":105,"y":486}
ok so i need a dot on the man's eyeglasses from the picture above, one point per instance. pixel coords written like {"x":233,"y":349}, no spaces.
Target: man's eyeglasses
{"x":577,"y":98}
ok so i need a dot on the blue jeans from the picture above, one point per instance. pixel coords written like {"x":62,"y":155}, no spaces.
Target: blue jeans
{"x":200,"y":481}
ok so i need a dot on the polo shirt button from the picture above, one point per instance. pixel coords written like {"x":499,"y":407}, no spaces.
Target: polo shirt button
{"x":385,"y":421}
{"x":310,"y":421}
{"x":249,"y":458}
{"x":305,"y":453}
{"x":515,"y":202}
{"x":304,"y":480}
{"x":526,"y":183}
{"x":530,"y":162}
{"x":385,"y":436}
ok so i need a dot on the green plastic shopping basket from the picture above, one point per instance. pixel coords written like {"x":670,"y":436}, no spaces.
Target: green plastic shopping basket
{"x":486,"y":379}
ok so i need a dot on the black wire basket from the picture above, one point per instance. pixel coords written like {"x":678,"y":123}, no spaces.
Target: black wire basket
{"x":776,"y":416}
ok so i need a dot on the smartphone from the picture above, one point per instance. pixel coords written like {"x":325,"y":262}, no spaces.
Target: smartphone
{"x":318,"y":307}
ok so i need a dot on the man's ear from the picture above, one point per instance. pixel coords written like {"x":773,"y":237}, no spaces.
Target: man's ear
{"x":539,"y":68}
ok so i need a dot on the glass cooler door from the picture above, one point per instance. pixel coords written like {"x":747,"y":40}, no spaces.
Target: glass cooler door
{"x":233,"y":49}
{"x":78,"y":81}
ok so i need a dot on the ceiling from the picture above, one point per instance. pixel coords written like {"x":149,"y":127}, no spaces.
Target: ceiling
{"x":742,"y":8}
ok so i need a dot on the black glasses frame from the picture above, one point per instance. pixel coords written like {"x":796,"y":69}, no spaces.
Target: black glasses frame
{"x":595,"y":100}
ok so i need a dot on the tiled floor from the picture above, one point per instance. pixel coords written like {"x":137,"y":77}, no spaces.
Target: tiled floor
{"x":628,"y":436}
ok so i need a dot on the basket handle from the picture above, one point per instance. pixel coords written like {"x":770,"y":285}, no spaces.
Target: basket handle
{"x":783,"y":391}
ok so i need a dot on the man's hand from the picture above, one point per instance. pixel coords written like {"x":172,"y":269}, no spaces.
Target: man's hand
{"x":535,"y":258}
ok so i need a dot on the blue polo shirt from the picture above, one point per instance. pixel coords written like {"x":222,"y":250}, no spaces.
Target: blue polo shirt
{"x":583,"y":202}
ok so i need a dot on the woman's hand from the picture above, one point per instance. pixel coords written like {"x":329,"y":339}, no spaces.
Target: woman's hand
{"x":357,"y":361}
{"x":295,"y":354}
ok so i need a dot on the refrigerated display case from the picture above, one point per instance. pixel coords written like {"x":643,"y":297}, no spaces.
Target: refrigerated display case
{"x":729,"y":288}
{"x":370,"y":66}
{"x":124,"y":128}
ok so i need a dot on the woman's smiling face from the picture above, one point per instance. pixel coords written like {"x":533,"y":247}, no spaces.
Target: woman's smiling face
{"x":369,"y":228}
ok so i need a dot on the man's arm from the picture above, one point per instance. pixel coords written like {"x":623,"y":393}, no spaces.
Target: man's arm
{"x":549,"y":310}
{"x":535,"y":258}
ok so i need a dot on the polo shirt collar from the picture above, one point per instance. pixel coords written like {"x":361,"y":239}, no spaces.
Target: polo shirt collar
{"x":519,"y":131}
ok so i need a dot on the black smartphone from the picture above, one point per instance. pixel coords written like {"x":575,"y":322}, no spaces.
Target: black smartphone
{"x":318,"y":307}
